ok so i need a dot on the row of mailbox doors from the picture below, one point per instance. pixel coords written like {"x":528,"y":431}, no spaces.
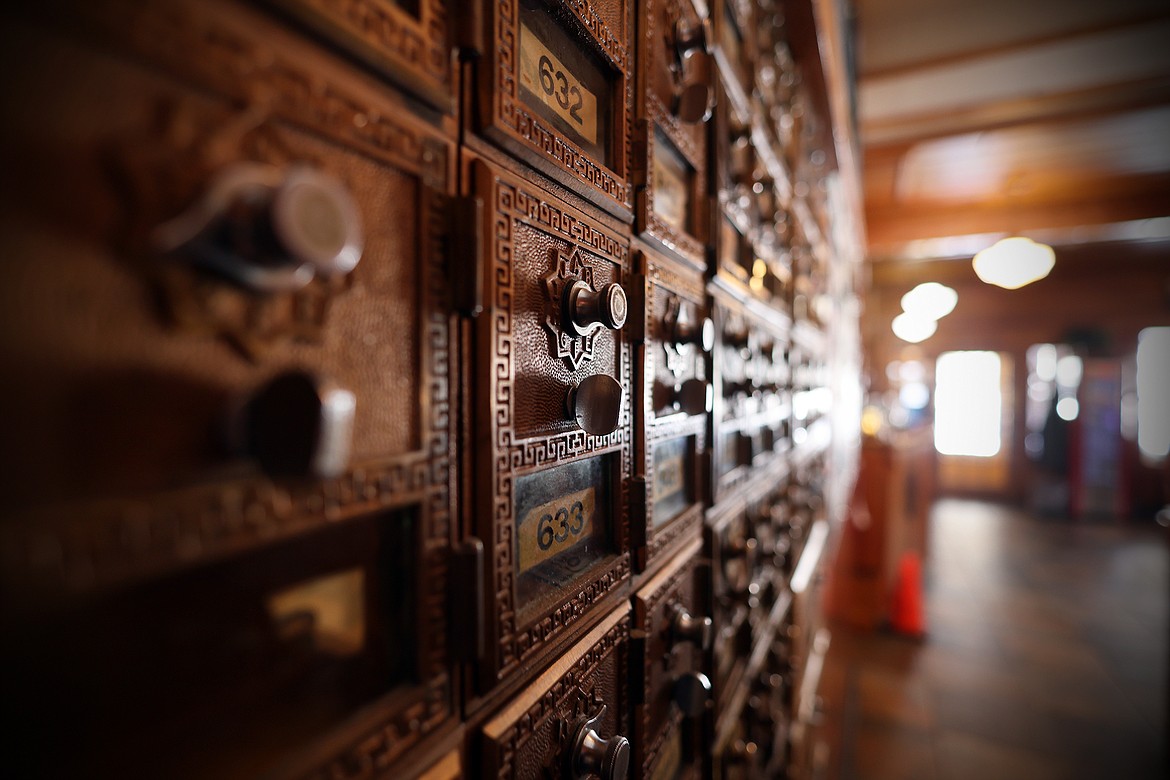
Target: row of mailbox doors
{"x":270,"y":437}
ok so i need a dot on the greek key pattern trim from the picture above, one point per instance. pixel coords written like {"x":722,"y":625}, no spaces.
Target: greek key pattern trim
{"x":514,"y":203}
{"x":518,"y":121}
{"x":416,"y":45}
{"x":198,"y":46}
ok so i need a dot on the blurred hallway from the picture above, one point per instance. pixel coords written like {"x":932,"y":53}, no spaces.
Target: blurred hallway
{"x":1045,"y":657}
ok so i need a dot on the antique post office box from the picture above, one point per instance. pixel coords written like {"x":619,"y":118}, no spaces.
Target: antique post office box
{"x":573,"y":720}
{"x":735,"y":755}
{"x":735,"y":50}
{"x":772,"y":516}
{"x":775,"y":70}
{"x":731,"y":545}
{"x":767,"y":709}
{"x":552,"y":415}
{"x":767,"y":716}
{"x":759,"y":516}
{"x":671,"y":692}
{"x":676,"y":94}
{"x":752,"y":400}
{"x":753,"y":716}
{"x":227,"y":530}
{"x":812,"y":398}
{"x":674,"y":397}
{"x":555,"y":87}
{"x":410,"y":42}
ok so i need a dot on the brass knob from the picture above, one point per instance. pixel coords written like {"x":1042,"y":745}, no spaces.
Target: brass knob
{"x":741,"y":549}
{"x":595,"y":404}
{"x":609,"y":759}
{"x":746,"y":447}
{"x":267,"y":228}
{"x":688,"y":329}
{"x":695,"y":100}
{"x":694,"y":96}
{"x":692,"y":691}
{"x":301,"y":425}
{"x":742,"y":160}
{"x":693,"y":397}
{"x":742,"y":752}
{"x":691,"y":36}
{"x":765,"y":199}
{"x":737,"y":337}
{"x":315,"y":219}
{"x":587,"y":310}
{"x":687,"y":628}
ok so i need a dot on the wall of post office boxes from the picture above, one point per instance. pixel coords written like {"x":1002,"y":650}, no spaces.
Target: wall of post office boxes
{"x":416,"y":388}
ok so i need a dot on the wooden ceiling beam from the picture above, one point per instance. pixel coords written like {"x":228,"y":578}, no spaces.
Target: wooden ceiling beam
{"x":892,"y":227}
{"x":900,"y":133}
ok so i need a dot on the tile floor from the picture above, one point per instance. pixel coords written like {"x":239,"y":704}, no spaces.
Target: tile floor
{"x":1045,"y":656}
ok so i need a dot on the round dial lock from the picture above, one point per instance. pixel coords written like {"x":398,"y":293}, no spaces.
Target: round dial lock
{"x":687,"y":628}
{"x":693,"y":72}
{"x":268,"y":229}
{"x":588,"y":310}
{"x":692,"y":692}
{"x":300,"y":425}
{"x":693,"y":397}
{"x":593,"y":755}
{"x":316,"y":220}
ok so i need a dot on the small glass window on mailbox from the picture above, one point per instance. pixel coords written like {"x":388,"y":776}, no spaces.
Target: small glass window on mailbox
{"x":563,"y":527}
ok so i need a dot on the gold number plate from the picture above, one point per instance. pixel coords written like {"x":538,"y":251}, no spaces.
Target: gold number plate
{"x":671,"y":196}
{"x":668,"y":478}
{"x":554,"y":527}
{"x":670,"y":489}
{"x":546,"y":77}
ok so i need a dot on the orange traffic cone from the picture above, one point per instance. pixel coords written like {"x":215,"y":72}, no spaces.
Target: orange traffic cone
{"x":906,"y":612}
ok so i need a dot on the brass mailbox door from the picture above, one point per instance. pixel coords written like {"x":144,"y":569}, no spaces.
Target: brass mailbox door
{"x":573,"y":720}
{"x":409,"y":41}
{"x":553,"y":416}
{"x":555,"y":87}
{"x":753,"y":401}
{"x":228,"y":452}
{"x":676,"y":95}
{"x":732,"y":549}
{"x":734,"y":24}
{"x":673,"y":695}
{"x":674,"y":396}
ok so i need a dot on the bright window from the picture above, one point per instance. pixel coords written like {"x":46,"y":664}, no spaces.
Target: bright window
{"x":967,"y":404}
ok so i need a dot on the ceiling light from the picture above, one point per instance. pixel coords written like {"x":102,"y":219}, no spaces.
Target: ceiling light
{"x":930,"y":300}
{"x":1013,"y":262}
{"x":912,"y":328}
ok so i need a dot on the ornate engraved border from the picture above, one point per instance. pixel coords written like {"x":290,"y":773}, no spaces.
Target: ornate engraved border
{"x":689,"y":285}
{"x":512,"y":117}
{"x":686,"y":245}
{"x":416,"y":50}
{"x":233,"y":56}
{"x":513,"y":202}
{"x":59,"y":551}
{"x":686,"y":284}
{"x":669,"y":588}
